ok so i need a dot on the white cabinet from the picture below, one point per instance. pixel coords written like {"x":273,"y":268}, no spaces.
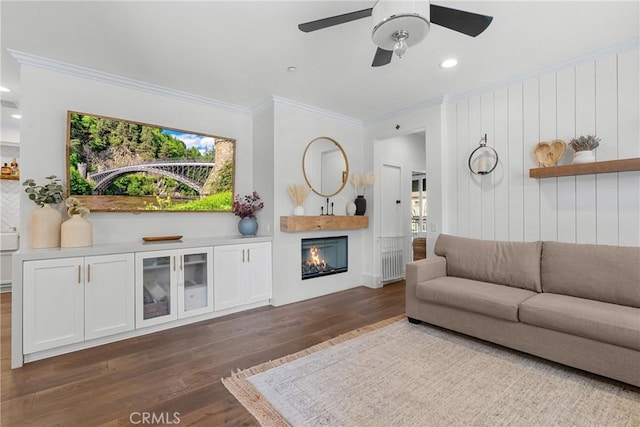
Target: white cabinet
{"x":173,"y":284}
{"x":70,"y":300}
{"x":242,"y":274}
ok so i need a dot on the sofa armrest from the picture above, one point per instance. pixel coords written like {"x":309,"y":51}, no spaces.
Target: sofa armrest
{"x":421,"y":271}
{"x":426,"y":269}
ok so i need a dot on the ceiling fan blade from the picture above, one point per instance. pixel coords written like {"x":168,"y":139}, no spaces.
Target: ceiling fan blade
{"x":334,"y":20}
{"x":383,"y":57}
{"x":471,"y":24}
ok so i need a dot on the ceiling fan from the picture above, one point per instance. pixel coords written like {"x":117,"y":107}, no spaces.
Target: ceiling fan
{"x":399,"y":25}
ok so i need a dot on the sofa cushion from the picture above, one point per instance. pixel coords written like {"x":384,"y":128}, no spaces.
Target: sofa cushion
{"x":480,"y":297}
{"x":600,"y":321}
{"x":597,"y":272}
{"x":515,"y":264}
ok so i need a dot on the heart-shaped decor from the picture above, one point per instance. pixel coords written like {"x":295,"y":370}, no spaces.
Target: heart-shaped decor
{"x":549,"y":153}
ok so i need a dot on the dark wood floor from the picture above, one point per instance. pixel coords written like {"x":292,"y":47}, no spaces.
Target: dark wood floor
{"x":178,"y":370}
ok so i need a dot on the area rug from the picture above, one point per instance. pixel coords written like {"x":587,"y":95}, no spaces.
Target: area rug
{"x":394,"y":373}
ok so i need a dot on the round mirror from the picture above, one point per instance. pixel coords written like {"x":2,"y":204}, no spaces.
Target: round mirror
{"x":325,"y":166}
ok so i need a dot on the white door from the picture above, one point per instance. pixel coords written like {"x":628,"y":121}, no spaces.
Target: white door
{"x":229,"y":276}
{"x":109,"y":295}
{"x":259,"y":265}
{"x":392,"y":217}
{"x":53,"y":295}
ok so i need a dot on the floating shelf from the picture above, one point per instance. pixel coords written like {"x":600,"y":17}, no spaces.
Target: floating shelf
{"x":291,"y":224}
{"x":11,"y":177}
{"x":608,"y":166}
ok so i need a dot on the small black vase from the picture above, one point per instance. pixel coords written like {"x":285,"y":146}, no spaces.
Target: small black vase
{"x":361,"y":205}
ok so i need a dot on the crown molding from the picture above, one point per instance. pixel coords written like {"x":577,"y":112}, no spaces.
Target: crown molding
{"x":410,"y":109}
{"x":278,"y":100}
{"x":100,"y":76}
{"x":618,"y":48}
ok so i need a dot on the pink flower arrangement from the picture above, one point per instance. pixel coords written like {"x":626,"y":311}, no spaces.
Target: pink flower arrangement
{"x":247,"y":206}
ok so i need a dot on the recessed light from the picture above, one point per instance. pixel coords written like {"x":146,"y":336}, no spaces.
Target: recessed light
{"x":448,"y":63}
{"x":292,"y":69}
{"x":4,"y":89}
{"x":16,"y":116}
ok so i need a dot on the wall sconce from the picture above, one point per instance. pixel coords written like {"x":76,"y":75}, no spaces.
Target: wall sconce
{"x":483,"y":160}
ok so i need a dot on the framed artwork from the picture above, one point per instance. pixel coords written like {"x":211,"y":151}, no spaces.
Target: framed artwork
{"x":116,"y":165}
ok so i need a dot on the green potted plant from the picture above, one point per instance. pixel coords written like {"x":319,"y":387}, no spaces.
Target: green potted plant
{"x":45,"y":222}
{"x":583,"y":147}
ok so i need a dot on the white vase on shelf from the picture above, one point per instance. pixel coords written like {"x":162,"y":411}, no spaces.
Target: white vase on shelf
{"x":44,"y":227}
{"x":351,"y":208}
{"x":298,"y":211}
{"x":585,"y":156}
{"x":76,"y":232}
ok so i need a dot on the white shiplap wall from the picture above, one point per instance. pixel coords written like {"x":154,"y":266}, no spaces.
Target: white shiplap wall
{"x":596,"y":96}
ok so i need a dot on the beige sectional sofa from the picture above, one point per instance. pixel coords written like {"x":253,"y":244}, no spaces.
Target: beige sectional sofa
{"x":575,"y":304}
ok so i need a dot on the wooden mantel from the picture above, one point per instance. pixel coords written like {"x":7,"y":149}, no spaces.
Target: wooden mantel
{"x":291,"y":224}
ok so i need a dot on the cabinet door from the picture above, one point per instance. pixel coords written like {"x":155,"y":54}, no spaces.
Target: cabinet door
{"x":155,"y":288}
{"x":109,"y":295}
{"x":259,"y":265}
{"x":53,"y":295}
{"x":195,"y":281}
{"x":228,"y":275}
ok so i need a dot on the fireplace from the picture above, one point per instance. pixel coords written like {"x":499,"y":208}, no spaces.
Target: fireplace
{"x":324,"y":256}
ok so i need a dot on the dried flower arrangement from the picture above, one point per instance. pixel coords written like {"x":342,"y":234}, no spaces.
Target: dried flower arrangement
{"x":585,"y":143}
{"x":361,"y":181}
{"x":74,"y":207}
{"x":298,"y":193}
{"x":247,"y":206}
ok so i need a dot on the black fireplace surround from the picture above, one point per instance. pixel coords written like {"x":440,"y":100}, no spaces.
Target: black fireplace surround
{"x":324,"y":256}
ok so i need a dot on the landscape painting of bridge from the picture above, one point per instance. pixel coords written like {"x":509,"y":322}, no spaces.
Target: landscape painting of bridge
{"x":120,"y":165}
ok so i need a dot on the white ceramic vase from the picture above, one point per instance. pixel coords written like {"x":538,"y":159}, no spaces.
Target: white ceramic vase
{"x":76,"y":232}
{"x":298,"y":211}
{"x":351,"y":208}
{"x":584,"y":157}
{"x":44,"y":227}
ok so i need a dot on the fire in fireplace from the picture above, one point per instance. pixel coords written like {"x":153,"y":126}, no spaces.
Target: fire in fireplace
{"x":324,"y":256}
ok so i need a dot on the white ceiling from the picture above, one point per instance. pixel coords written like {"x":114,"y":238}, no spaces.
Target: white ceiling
{"x":238,"y":51}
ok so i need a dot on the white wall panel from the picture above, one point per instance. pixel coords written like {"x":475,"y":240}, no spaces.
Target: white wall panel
{"x":629,"y":146}
{"x":585,"y":125}
{"x":597,"y":96}
{"x":548,"y":132}
{"x":450,"y":152}
{"x":487,"y":182}
{"x":475,"y":183}
{"x":607,"y":130}
{"x":460,"y":164}
{"x":501,"y":174}
{"x":531,"y":136}
{"x":566,"y":127}
{"x":515,"y":161}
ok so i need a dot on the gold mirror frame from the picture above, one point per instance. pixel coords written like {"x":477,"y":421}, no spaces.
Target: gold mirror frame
{"x":345,"y":173}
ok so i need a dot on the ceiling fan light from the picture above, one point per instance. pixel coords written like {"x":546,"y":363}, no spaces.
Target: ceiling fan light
{"x":401,"y":46}
{"x":399,"y":17}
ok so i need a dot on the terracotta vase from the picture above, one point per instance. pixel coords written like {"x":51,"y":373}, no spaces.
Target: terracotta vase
{"x":44,"y":227}
{"x":76,"y":232}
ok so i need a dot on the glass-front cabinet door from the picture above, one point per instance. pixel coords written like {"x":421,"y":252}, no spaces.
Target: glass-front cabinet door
{"x":195,"y":281}
{"x":156,"y":293}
